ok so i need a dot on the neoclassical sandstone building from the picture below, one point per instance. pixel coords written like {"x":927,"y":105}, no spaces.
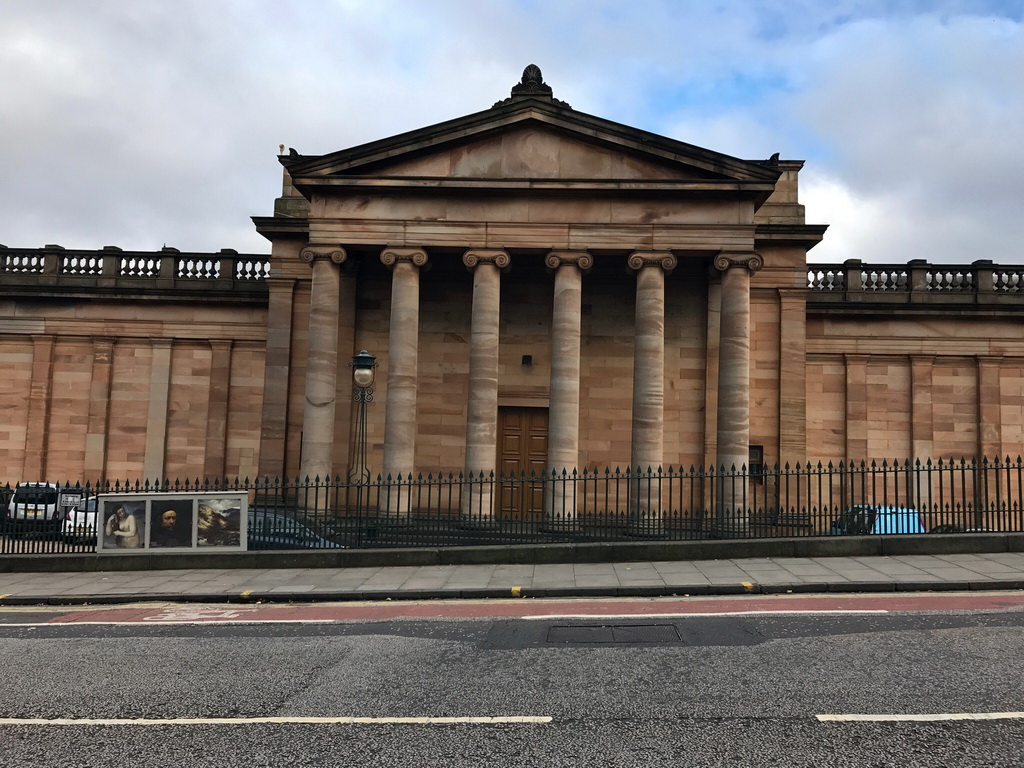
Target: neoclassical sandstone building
{"x":543,"y":289}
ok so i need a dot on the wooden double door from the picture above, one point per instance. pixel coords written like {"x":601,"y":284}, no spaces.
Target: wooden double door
{"x":522,"y":452}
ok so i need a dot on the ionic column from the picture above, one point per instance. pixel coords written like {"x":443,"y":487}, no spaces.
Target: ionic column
{"x":322,"y":361}
{"x":403,"y":352}
{"x":733,"y":443}
{"x":482,"y":418}
{"x":564,"y":392}
{"x":648,"y":387}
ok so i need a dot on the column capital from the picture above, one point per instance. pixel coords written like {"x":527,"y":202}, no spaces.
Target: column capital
{"x":322,"y":252}
{"x":415,"y":256}
{"x":475,"y":256}
{"x":664,"y":259}
{"x":581,"y":259}
{"x":725,"y":260}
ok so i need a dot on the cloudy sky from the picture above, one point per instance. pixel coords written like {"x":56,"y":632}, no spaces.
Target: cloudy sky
{"x":140,"y":123}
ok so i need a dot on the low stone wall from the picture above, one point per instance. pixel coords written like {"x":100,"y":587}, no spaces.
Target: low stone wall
{"x":835,"y":546}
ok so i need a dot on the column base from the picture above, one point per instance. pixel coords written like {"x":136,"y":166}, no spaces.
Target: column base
{"x":646,"y":527}
{"x":480,"y":524}
{"x":559,"y":526}
{"x":730,"y":529}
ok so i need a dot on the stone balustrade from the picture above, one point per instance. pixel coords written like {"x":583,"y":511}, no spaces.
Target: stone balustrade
{"x":112,"y":262}
{"x":913,"y":281}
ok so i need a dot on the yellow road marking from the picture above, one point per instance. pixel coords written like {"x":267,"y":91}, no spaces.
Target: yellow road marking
{"x":517,"y":591}
{"x":747,"y":585}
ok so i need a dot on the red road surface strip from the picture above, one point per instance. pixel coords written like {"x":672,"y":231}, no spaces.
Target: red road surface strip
{"x":535,"y":608}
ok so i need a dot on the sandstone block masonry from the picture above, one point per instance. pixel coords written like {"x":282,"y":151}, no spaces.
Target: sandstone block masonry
{"x":544,"y":290}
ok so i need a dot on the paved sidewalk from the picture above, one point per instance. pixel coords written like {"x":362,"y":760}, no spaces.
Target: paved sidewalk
{"x":769,"y":575}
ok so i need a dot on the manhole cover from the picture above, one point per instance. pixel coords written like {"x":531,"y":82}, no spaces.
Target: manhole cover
{"x":583,"y":634}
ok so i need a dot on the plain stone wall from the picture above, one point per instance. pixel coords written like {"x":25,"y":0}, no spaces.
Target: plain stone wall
{"x":54,"y":428}
{"x":895,"y":388}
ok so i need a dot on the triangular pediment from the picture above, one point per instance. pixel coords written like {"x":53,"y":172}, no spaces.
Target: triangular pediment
{"x":534,"y":151}
{"x":531,"y":139}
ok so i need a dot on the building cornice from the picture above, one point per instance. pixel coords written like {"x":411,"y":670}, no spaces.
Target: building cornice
{"x":310,"y":185}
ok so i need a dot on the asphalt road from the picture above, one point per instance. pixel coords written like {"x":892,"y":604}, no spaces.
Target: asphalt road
{"x":668,"y":687}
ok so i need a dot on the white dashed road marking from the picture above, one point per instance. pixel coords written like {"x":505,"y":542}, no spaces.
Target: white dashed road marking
{"x":87,"y":721}
{"x":920,"y":718}
{"x":701,"y":615}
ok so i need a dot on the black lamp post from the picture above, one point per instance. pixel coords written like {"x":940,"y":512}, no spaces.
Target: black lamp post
{"x":363,"y":369}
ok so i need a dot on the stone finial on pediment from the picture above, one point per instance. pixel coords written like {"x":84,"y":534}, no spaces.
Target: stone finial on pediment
{"x":532,"y":86}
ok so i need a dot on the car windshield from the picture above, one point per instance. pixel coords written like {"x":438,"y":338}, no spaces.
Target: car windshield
{"x":39,"y":495}
{"x":279,"y":524}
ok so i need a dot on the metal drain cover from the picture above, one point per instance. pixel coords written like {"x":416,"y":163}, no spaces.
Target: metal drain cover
{"x":584,"y":634}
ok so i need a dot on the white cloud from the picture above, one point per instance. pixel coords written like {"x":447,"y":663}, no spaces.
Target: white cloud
{"x":923,"y":120}
{"x":148,"y":122}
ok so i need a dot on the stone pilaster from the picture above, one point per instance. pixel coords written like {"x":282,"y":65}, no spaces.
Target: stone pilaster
{"x":990,"y":437}
{"x":648,"y":425}
{"x":482,"y":418}
{"x":856,"y":407}
{"x":156,"y":421}
{"x":733,"y":443}
{"x":792,"y":376}
{"x":403,"y":353}
{"x":99,"y":410}
{"x":219,"y":402}
{"x":922,"y":421}
{"x":37,"y":426}
{"x":322,"y":362}
{"x":564,"y":392}
{"x":276,"y":377}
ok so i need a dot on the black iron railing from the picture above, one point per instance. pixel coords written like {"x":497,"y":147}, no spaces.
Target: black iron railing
{"x":584,"y":506}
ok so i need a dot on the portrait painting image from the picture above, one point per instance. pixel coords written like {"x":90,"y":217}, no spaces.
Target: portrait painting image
{"x":170,"y":522}
{"x":124,"y":524}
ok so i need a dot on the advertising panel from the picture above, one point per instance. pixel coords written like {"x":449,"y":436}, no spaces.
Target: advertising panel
{"x":172,"y":522}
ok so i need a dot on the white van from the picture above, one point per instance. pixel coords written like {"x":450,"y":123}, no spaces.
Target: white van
{"x":38,"y":502}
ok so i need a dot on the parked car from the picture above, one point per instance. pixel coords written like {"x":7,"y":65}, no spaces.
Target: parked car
{"x":869,"y":519}
{"x":273,"y":530}
{"x":80,"y":522}
{"x":854,"y":521}
{"x":953,"y":528}
{"x":35,"y":504}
